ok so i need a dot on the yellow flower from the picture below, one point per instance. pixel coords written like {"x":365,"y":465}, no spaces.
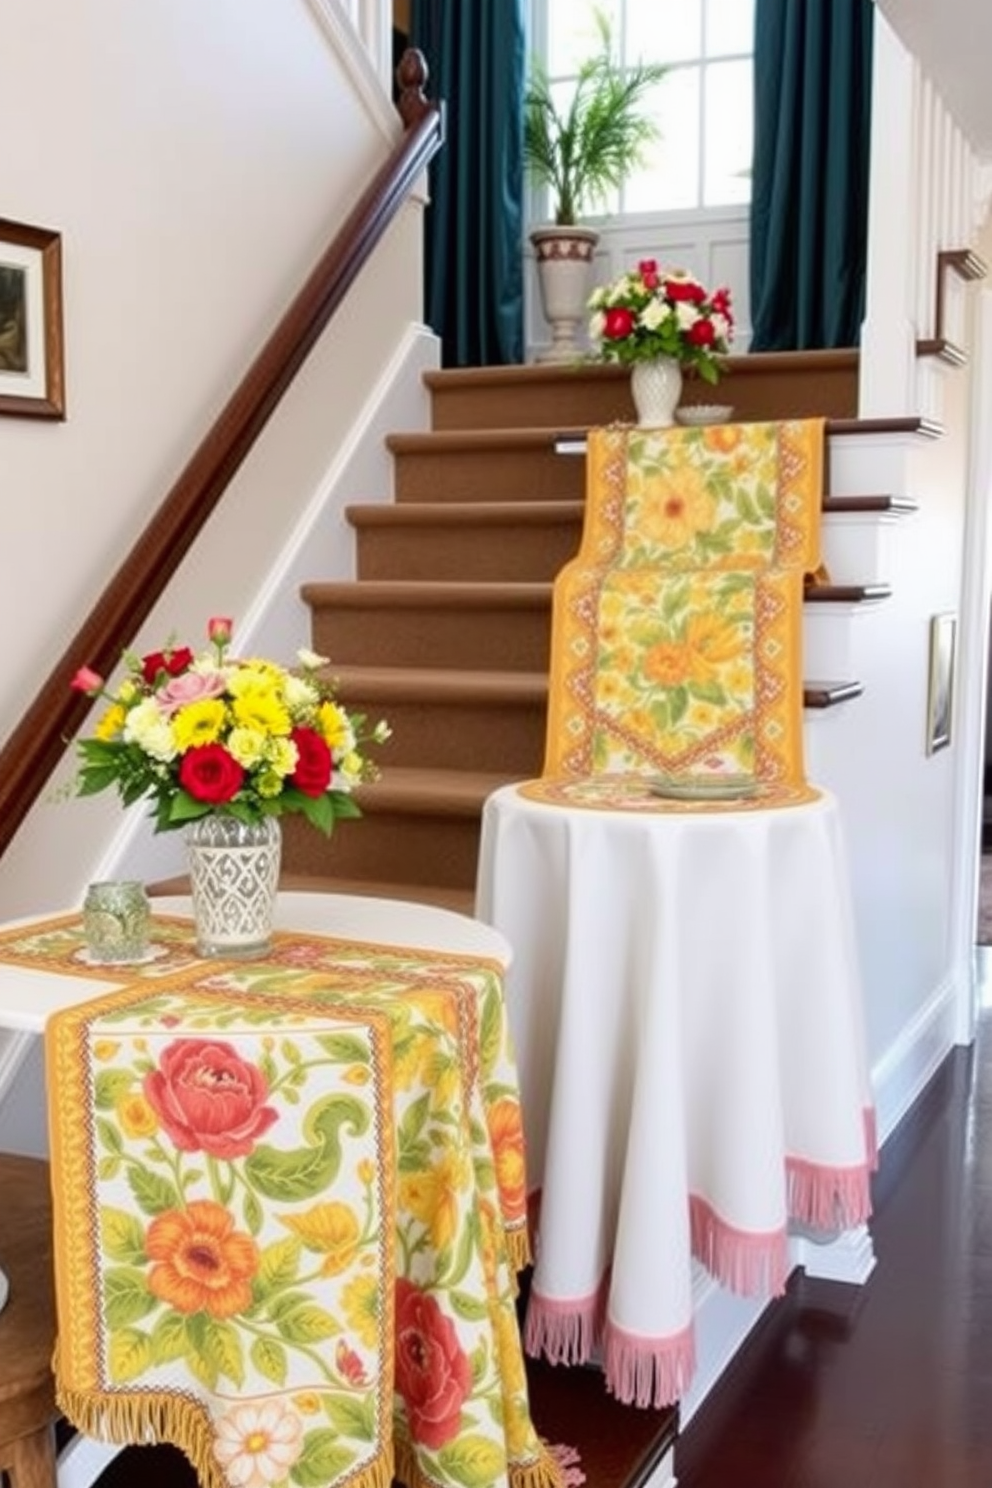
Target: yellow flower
{"x":432,"y":1196}
{"x":282,"y":756}
{"x":136,"y":1116}
{"x":677,"y":510}
{"x":246,"y":745}
{"x":268,"y":783}
{"x":105,"y":1049}
{"x":335,"y":726}
{"x":356,"y":1075}
{"x":366,"y":1171}
{"x":263,"y":709}
{"x":307,"y":1402}
{"x":198,"y":723}
{"x":710,"y":642}
{"x":331,"y":1230}
{"x":111,"y":723}
{"x":360,"y":1302}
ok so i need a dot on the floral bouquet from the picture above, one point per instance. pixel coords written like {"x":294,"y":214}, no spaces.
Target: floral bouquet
{"x":661,"y":312}
{"x":208,"y":733}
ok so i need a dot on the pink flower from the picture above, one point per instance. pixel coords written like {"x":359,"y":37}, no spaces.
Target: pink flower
{"x":87,"y":680}
{"x":192,"y":687}
{"x":208,"y":1098}
{"x":219,"y":630}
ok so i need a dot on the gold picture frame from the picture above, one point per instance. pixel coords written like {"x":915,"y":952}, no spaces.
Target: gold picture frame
{"x":32,"y":376}
{"x":940,"y":689}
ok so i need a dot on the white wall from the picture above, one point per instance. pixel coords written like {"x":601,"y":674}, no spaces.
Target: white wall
{"x":196,"y":158}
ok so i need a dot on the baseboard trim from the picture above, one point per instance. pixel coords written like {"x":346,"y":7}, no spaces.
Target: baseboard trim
{"x":913,"y":1058}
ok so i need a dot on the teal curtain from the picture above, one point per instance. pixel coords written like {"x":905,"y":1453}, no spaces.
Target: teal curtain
{"x":809,"y":201}
{"x":474,"y":293}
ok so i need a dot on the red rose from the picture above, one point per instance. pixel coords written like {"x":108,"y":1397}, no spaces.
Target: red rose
{"x":313,"y":766}
{"x":170,"y":662}
{"x":648,"y":270}
{"x":701,"y":333}
{"x":433,"y":1374}
{"x":208,"y":1098}
{"x":619,"y":322}
{"x":685,"y":289}
{"x":721,"y":304}
{"x":209,"y":773}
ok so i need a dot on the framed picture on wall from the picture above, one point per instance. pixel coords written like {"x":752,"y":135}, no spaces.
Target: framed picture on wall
{"x":32,"y":381}
{"x":940,"y":692}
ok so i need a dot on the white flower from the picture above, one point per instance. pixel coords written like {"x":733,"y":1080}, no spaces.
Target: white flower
{"x":257,"y":1443}
{"x":686,"y":314}
{"x":310,"y":661}
{"x":654,"y":312}
{"x":597,"y":324}
{"x":300,"y":695}
{"x":147,"y":726}
{"x":721,"y":325}
{"x":598,"y":298}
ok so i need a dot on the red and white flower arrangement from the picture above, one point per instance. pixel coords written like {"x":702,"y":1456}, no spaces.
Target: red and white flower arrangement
{"x":201,"y":733}
{"x":654,"y":312}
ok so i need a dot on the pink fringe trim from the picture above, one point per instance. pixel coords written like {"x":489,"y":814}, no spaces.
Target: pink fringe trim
{"x":828,"y":1198}
{"x":565,"y":1332}
{"x":646,"y":1372}
{"x":570,"y":1462}
{"x":752,"y":1265}
{"x":871,"y":1138}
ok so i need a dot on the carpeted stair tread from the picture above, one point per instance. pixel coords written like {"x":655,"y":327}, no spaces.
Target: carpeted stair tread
{"x":438,"y":684}
{"x":469,"y":514}
{"x":439,"y":593}
{"x":404,"y":789}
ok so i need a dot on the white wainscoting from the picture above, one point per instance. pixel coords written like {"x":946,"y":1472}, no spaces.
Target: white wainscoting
{"x":712,"y":244}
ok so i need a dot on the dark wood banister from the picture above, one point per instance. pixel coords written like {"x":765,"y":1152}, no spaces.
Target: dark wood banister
{"x":39,"y":740}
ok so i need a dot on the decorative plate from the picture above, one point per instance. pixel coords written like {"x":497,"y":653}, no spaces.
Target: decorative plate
{"x":704,"y":413}
{"x":705,"y":788}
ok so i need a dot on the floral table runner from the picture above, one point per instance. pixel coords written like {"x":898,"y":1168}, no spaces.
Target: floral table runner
{"x":289,"y":1206}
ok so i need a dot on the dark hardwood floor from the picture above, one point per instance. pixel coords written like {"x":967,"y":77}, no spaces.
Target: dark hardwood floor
{"x":889,"y":1385}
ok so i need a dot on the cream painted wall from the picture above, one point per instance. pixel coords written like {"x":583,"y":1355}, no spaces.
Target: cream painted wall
{"x":196,"y":159}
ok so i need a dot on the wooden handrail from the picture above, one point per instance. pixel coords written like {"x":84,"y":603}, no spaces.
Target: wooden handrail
{"x":39,"y":740}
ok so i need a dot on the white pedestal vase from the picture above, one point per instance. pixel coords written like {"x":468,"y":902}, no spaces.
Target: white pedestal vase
{"x":234,"y":875}
{"x":564,"y":260}
{"x":656,"y":387}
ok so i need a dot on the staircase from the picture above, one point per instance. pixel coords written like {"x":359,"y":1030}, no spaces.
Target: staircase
{"x":445,"y":629}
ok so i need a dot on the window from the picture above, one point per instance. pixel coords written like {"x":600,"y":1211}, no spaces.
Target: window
{"x":703,"y":107}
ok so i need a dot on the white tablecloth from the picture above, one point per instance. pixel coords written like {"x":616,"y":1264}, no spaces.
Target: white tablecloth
{"x":685,"y":1001}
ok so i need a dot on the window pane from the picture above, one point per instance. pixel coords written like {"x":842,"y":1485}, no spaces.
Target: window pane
{"x":663,"y":30}
{"x":729,"y":28}
{"x":573,"y":35}
{"x":729,"y":133}
{"x":671,"y":178}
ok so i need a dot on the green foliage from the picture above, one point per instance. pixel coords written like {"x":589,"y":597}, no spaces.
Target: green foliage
{"x":588,"y":148}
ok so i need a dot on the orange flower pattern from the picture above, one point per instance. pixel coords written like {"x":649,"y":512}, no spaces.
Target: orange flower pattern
{"x":200,"y":1262}
{"x":254,"y":1237}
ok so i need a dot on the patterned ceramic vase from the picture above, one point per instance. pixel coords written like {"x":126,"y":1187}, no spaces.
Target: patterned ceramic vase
{"x":234,"y":874}
{"x":656,"y":386}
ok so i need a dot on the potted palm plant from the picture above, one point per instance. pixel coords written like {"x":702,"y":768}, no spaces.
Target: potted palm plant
{"x":580,"y":152}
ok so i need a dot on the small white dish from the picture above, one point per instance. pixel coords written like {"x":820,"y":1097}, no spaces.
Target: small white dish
{"x":694,"y":414}
{"x":701,"y":788}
